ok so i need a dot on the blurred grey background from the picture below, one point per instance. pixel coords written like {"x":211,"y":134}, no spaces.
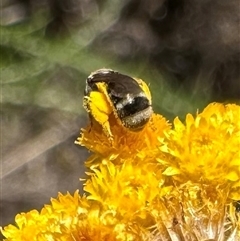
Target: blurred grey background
{"x":187,"y":50}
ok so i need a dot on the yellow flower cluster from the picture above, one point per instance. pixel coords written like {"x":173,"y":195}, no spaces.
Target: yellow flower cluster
{"x":166,"y":182}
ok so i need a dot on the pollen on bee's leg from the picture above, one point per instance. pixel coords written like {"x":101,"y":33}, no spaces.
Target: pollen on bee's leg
{"x":86,"y":101}
{"x":107,"y":131}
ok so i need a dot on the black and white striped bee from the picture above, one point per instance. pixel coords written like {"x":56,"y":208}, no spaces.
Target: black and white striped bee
{"x":129,"y":99}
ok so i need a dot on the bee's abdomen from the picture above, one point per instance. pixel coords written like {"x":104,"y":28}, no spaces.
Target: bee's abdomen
{"x":134,"y":112}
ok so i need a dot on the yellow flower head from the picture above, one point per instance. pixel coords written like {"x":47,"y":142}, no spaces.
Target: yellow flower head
{"x":138,"y":146}
{"x":206,"y":149}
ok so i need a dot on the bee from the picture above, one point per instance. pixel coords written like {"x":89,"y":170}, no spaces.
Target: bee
{"x":110,"y":92}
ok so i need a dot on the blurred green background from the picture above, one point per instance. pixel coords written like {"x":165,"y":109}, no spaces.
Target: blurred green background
{"x":188,"y":52}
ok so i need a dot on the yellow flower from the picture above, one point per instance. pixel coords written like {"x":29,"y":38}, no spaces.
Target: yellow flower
{"x":53,"y":221}
{"x":206,"y":149}
{"x":139,"y":146}
{"x":134,"y":185}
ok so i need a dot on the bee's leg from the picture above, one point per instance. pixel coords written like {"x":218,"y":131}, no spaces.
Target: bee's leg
{"x":100,"y":110}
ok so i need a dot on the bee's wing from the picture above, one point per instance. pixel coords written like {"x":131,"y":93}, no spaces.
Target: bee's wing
{"x":118,"y":85}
